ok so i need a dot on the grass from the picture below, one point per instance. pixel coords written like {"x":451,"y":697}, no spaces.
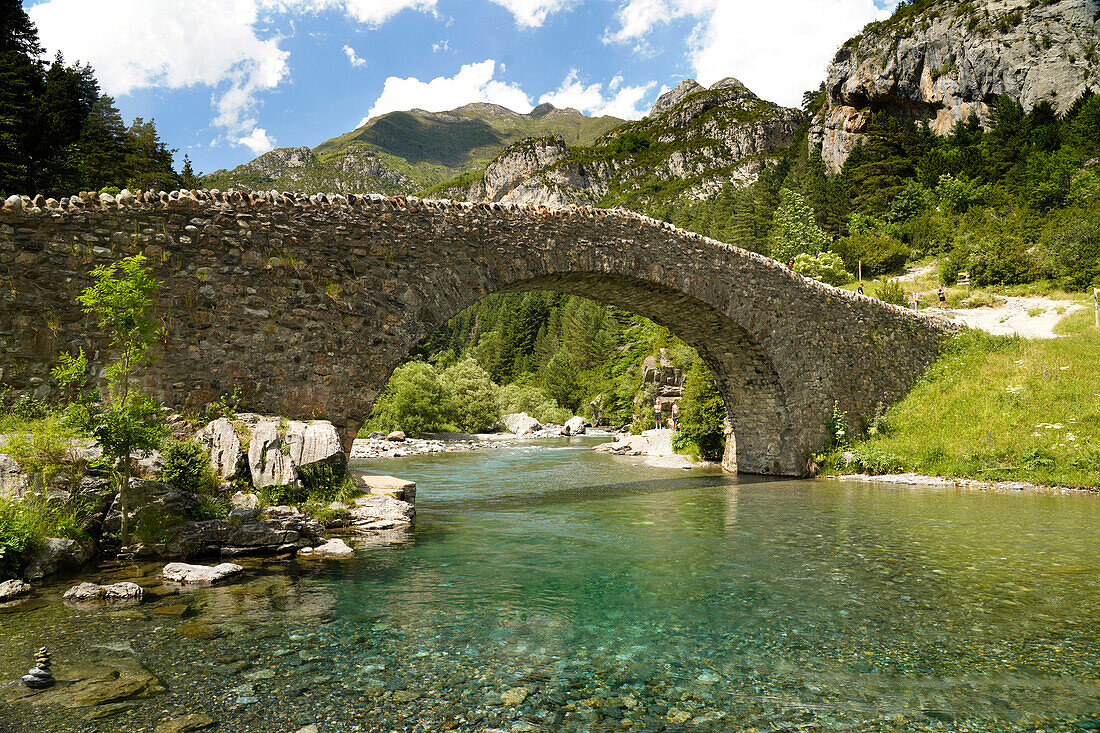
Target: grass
{"x":26,"y":521}
{"x":999,"y":408}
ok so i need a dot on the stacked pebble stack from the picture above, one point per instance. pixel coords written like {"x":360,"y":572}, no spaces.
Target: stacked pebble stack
{"x":40,"y":676}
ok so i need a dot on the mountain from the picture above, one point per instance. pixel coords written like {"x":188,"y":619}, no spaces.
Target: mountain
{"x":406,"y":152}
{"x":940,"y":61}
{"x":693,"y":143}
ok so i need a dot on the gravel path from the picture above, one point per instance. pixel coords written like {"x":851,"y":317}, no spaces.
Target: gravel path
{"x":1013,"y":316}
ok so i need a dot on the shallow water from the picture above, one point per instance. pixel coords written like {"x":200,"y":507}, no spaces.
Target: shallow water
{"x":619,"y":598}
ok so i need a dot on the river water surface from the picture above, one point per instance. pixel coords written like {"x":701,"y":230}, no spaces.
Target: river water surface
{"x":552,"y":588}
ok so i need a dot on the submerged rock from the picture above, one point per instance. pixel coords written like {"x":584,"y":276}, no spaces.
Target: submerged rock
{"x":185,"y":723}
{"x":381,"y":512}
{"x":334,"y":548}
{"x":179,"y":572}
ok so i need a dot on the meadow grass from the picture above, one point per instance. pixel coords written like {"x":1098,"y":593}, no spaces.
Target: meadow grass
{"x":998,"y":407}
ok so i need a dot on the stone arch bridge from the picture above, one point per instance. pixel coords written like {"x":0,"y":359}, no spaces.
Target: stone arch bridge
{"x":308,"y":304}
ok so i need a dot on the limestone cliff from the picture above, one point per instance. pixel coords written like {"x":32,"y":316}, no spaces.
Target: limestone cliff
{"x":941,"y":60}
{"x":694,"y":141}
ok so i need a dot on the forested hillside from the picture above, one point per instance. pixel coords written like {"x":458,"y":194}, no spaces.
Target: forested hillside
{"x":59,"y":134}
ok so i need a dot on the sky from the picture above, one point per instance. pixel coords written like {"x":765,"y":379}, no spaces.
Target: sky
{"x":227,"y":80}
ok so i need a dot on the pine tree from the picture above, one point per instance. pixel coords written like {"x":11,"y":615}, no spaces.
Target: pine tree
{"x":795,"y":230}
{"x":20,"y":82}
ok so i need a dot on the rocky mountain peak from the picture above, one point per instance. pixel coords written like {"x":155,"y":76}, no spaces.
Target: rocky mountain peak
{"x":672,"y":97}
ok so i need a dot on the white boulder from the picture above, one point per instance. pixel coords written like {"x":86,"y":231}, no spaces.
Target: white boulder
{"x":181,"y":572}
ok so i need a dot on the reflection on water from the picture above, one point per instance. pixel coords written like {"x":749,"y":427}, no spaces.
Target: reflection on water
{"x":558,"y":589}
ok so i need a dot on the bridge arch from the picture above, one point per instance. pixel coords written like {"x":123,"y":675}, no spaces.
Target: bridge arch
{"x":310,"y":304}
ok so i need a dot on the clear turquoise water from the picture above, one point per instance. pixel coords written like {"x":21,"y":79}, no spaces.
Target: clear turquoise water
{"x":626,"y":598}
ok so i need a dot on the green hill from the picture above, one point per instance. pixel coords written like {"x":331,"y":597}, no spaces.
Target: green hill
{"x":407,"y":152}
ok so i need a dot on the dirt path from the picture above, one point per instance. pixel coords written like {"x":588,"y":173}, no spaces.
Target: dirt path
{"x":1013,"y":315}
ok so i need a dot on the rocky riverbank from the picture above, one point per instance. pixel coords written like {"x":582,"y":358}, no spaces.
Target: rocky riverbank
{"x":654,"y":447}
{"x":249,"y":485}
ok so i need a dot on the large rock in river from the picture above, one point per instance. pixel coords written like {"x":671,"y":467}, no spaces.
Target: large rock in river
{"x":221,"y":441}
{"x":115,"y":592}
{"x":574,"y":426}
{"x":520,"y":423}
{"x":181,"y":572}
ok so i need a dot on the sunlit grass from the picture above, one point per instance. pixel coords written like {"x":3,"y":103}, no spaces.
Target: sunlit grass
{"x":1001,"y":408}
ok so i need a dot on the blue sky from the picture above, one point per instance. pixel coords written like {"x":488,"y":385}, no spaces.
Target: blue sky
{"x":227,"y":80}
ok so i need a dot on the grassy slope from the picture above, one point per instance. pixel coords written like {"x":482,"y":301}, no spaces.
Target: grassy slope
{"x":1000,"y":408}
{"x":429,"y":149}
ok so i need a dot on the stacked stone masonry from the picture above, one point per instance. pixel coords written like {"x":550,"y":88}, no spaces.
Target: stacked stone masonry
{"x":307,"y":304}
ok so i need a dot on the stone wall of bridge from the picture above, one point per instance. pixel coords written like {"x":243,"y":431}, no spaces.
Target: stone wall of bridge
{"x":308,"y":304}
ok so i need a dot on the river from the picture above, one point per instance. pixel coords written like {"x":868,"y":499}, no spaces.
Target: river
{"x":551,"y":588}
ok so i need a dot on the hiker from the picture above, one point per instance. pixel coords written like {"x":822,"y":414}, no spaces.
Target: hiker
{"x":916,"y":301}
{"x":860,"y":289}
{"x":657,"y":413}
{"x":790,"y":264}
{"x":943,"y":298}
{"x":675,"y":416}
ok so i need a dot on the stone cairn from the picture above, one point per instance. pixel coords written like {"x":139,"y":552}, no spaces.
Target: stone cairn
{"x":40,"y":677}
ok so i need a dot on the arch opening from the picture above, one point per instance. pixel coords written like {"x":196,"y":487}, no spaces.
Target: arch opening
{"x":755,"y":407}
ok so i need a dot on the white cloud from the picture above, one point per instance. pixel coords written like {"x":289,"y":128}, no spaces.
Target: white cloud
{"x":353,"y":58}
{"x":444,"y":45}
{"x":779,"y":49}
{"x":533,"y":13}
{"x":368,"y":12}
{"x":622,"y":101}
{"x":472,"y":83}
{"x":258,"y":141}
{"x":133,"y":44}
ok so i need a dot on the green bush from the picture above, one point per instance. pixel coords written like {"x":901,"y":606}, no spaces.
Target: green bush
{"x":826,"y":267}
{"x":532,"y":400}
{"x":283,"y":495}
{"x":324,"y":483}
{"x":415,"y":401}
{"x":881,"y":254}
{"x":187,"y":467}
{"x":892,"y":292}
{"x":471,"y":397}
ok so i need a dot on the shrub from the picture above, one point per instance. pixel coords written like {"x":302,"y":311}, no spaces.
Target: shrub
{"x":532,"y":400}
{"x":324,"y":483}
{"x":826,"y":267}
{"x":187,"y":467}
{"x":415,"y":400}
{"x":881,"y":254}
{"x":283,"y":495}
{"x":471,"y":396}
{"x":892,"y":292}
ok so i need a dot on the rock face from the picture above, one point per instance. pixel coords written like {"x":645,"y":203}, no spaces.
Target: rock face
{"x":520,"y":423}
{"x":381,"y":512}
{"x":268,"y":463}
{"x":180,"y":572}
{"x":58,"y":553}
{"x":245,"y":532}
{"x":12,"y":480}
{"x":221,"y":441}
{"x":115,"y":592}
{"x":953,"y":59}
{"x":574,"y":426}
{"x":673,"y":96}
{"x":704,"y":137}
{"x":151,"y":504}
